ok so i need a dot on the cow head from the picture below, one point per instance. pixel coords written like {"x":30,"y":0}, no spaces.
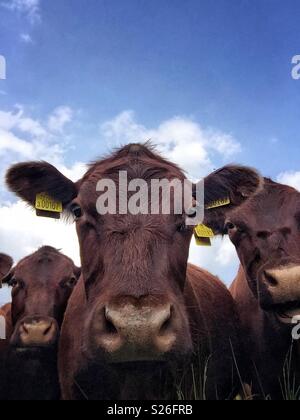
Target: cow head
{"x":133,"y":265}
{"x":266,"y":233}
{"x":41,"y":286}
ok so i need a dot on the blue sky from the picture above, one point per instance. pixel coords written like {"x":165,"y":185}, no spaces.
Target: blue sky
{"x":106,"y":69}
{"x":227,"y":64}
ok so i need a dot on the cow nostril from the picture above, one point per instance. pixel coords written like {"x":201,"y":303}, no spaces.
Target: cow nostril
{"x":25,"y":328}
{"x":110,"y":327}
{"x":48,"y":329}
{"x":167,"y":321}
{"x":271,"y":279}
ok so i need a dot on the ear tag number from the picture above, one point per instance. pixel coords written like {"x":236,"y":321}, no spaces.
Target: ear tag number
{"x":218,"y":203}
{"x":47,"y":206}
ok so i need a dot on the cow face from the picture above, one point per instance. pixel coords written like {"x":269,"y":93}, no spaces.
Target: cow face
{"x":41,"y":286}
{"x":134,"y":266}
{"x":266,"y":233}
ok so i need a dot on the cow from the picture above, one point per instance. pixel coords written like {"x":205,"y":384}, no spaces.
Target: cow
{"x":266,"y":233}
{"x":141,"y":320}
{"x":41,"y":285}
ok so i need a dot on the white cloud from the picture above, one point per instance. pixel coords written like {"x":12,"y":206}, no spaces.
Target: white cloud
{"x":26,"y":38}
{"x":220,"y":259}
{"x":30,"y":8}
{"x":290,"y":178}
{"x":22,"y":137}
{"x":60,"y":117}
{"x":16,"y":120}
{"x":181,"y":139}
{"x":22,"y":232}
{"x":224,"y":144}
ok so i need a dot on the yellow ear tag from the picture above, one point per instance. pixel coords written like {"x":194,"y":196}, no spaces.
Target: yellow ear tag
{"x":47,"y":206}
{"x":218,"y":203}
{"x":202,"y":241}
{"x":203,"y":231}
{"x":203,"y":234}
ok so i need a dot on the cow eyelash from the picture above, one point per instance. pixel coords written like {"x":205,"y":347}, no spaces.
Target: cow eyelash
{"x":76,"y":210}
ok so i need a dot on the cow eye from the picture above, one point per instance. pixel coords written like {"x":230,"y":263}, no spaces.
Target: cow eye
{"x":13,"y":283}
{"x":76,"y":210}
{"x":16,"y":283}
{"x":229,"y":227}
{"x":70,"y":283}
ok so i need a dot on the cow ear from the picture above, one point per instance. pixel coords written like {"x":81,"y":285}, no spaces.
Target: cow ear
{"x":6,"y":264}
{"x":227,"y":189}
{"x":27,"y":180}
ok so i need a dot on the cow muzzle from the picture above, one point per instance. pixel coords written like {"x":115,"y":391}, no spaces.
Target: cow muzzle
{"x":281,"y":291}
{"x":36,"y":332}
{"x":130,"y":333}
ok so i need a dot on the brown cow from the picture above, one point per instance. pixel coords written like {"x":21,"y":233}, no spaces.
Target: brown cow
{"x":42,"y":284}
{"x":137,"y":315}
{"x":266,"y":233}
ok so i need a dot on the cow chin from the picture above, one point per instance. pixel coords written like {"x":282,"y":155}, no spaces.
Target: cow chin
{"x":128,"y":381}
{"x":135,"y":374}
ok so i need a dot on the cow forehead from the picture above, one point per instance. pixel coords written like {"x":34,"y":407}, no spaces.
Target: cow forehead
{"x":276,"y":206}
{"x":140,"y":167}
{"x":39,"y":268}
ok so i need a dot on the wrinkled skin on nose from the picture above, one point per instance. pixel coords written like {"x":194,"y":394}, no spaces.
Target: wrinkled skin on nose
{"x":130,"y":333}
